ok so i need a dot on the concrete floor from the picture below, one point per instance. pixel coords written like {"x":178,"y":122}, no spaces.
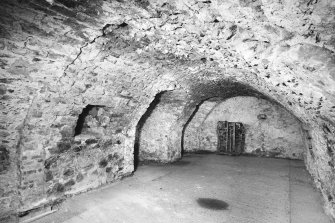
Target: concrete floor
{"x":203,"y":188}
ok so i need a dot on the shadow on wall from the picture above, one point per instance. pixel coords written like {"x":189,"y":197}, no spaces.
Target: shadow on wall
{"x":140,"y":125}
{"x":185,"y":126}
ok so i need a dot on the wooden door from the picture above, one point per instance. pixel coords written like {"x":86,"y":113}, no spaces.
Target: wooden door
{"x":231,"y":138}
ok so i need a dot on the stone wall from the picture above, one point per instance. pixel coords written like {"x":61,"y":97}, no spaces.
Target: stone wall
{"x":159,"y":130}
{"x":57,"y":57}
{"x":270,"y":130}
{"x":94,"y":156}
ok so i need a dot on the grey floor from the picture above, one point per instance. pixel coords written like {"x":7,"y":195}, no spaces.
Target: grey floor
{"x":203,"y":188}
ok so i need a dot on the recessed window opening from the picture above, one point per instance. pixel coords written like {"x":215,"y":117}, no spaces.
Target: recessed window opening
{"x":82,"y":122}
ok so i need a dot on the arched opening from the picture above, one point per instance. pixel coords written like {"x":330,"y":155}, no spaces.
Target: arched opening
{"x":186,"y":120}
{"x":180,"y":125}
{"x":158,"y":129}
{"x":140,"y":125}
{"x":83,"y":126}
{"x":270,"y":130}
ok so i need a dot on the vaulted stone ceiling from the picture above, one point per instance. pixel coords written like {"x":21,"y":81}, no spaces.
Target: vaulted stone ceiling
{"x":57,"y":57}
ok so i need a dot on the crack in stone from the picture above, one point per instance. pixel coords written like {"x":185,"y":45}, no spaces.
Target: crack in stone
{"x":103,"y":30}
{"x":78,"y":55}
{"x":26,"y":41}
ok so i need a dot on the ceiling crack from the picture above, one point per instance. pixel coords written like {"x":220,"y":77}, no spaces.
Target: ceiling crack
{"x":103,"y":33}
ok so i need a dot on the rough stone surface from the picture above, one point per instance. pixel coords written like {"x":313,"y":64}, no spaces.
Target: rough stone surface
{"x":58,"y":57}
{"x":159,"y":131}
{"x":270,"y":130}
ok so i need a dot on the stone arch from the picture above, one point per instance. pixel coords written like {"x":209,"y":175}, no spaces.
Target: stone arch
{"x":160,"y":131}
{"x":269,"y":129}
{"x":318,"y":132}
